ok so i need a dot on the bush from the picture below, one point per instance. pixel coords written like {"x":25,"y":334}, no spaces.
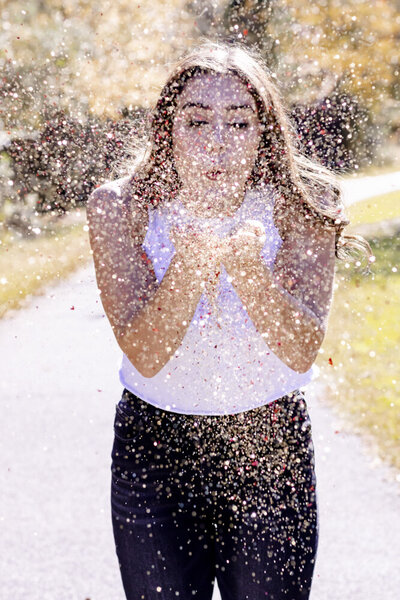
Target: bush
{"x":56,"y":168}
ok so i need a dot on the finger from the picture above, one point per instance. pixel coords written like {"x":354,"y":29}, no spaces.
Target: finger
{"x":255,"y":225}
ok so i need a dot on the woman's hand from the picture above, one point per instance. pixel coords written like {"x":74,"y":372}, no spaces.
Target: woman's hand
{"x":196,"y":248}
{"x":201,"y":253}
{"x":243,"y":245}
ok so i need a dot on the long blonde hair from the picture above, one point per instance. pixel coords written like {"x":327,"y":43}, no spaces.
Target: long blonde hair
{"x":303,"y":186}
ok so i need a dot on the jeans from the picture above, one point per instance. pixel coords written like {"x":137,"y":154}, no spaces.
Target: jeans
{"x":196,"y":498}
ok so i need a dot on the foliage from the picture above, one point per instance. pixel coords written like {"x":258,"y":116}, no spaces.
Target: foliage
{"x":57,"y":167}
{"x":337,"y":131}
{"x":109,"y":55}
{"x":322,"y":51}
{"x":316,"y":45}
{"x":84,"y":57}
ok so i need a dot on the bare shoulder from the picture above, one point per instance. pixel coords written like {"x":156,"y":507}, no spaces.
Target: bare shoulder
{"x":111,"y":203}
{"x":311,"y":234}
{"x":109,"y":191}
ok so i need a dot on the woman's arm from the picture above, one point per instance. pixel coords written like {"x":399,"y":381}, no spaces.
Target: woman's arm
{"x":289,"y":306}
{"x":154,"y":335}
{"x":149,"y":320}
{"x":124,"y":274}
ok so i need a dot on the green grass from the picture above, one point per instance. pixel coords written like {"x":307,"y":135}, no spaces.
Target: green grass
{"x":28,"y":265}
{"x":363,"y":343}
{"x":375,"y":209}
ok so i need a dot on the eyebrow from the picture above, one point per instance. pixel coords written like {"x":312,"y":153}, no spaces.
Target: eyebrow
{"x":205,"y":107}
{"x":238,"y":106}
{"x":195,"y":105}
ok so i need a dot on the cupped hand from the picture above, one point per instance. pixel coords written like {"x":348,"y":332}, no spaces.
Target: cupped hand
{"x":245,"y":243}
{"x":201,"y":252}
{"x":197,"y":248}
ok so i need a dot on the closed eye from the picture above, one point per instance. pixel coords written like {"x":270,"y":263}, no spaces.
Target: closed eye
{"x":197,"y":123}
{"x":200,"y":122}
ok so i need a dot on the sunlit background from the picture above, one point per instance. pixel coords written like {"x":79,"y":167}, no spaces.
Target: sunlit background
{"x":77,"y":78}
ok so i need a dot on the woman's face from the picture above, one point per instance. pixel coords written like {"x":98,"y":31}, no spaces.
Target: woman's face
{"x":216,"y":134}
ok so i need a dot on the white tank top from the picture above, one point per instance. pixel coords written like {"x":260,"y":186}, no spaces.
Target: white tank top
{"x":223,"y":365}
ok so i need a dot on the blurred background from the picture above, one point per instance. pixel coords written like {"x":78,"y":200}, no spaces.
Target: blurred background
{"x":77,"y":78}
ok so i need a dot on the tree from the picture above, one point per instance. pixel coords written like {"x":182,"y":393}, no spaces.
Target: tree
{"x":324,"y":50}
{"x":82,"y":57}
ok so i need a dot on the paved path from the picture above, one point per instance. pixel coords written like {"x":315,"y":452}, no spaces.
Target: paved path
{"x":360,"y":188}
{"x":59,"y":386}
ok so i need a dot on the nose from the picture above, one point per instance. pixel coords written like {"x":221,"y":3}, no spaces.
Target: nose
{"x":217,"y":141}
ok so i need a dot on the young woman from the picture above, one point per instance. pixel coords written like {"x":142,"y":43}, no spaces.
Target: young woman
{"x":215,"y":262}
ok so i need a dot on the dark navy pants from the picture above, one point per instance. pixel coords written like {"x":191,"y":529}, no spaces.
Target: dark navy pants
{"x":198,"y":498}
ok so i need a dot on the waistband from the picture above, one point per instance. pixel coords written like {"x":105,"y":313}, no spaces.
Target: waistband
{"x":134,"y":403}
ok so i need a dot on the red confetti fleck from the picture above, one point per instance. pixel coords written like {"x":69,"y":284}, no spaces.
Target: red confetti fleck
{"x":72,"y":308}
{"x":330,"y":361}
{"x":245,"y":31}
{"x":337,"y":431}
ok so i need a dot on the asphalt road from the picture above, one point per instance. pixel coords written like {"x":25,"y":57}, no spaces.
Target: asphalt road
{"x":355,"y":189}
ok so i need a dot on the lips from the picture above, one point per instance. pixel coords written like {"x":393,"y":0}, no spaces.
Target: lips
{"x":214,"y":174}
